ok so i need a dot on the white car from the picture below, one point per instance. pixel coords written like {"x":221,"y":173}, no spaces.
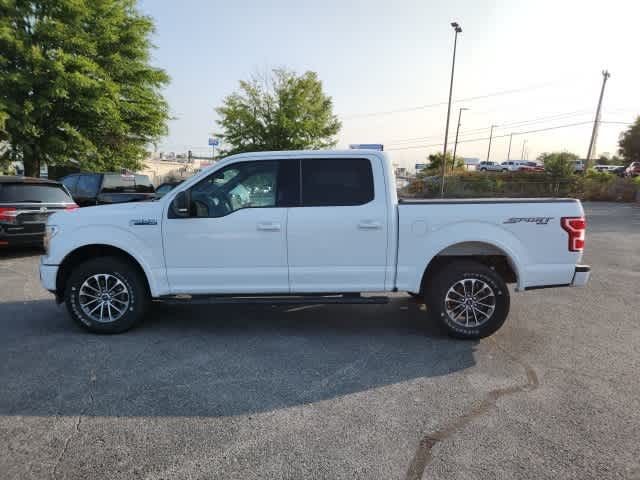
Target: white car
{"x":309,"y":227}
{"x":514,"y":165}
{"x":486,"y":166}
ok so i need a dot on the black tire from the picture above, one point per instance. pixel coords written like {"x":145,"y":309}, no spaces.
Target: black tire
{"x":449,"y":276}
{"x":483,"y":169}
{"x":132,"y":279}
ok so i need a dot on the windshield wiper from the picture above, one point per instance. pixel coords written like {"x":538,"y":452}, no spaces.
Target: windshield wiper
{"x":28,"y":201}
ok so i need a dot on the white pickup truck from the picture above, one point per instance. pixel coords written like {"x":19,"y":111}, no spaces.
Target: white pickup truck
{"x":316,"y":226}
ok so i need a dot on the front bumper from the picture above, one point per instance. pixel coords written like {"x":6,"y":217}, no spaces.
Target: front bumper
{"x":581,"y":276}
{"x":48,"y":274}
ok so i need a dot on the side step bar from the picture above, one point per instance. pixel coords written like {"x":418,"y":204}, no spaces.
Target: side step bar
{"x":275,"y":300}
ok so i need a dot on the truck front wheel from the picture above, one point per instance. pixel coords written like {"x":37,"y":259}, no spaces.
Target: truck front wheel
{"x":468,"y":299}
{"x":106,"y":295}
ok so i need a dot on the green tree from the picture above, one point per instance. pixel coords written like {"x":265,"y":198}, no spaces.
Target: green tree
{"x":76,"y":84}
{"x":282,"y":111}
{"x":629,"y":143}
{"x":559,"y":164}
{"x":435,"y":164}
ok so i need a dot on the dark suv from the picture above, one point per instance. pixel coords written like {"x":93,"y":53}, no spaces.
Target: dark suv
{"x":104,"y":188}
{"x":25,"y":204}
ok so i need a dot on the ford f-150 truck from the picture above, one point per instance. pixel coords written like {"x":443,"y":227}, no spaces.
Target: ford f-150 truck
{"x":316,"y":226}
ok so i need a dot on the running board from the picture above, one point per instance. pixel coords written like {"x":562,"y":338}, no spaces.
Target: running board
{"x":277,"y":300}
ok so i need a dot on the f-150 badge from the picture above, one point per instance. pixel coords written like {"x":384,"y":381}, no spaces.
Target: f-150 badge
{"x":144,"y":221}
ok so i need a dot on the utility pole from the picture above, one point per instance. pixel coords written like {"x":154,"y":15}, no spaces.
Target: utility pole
{"x":596,"y":122}
{"x":509,"y":151}
{"x":490,"y":138}
{"x":455,"y":145}
{"x":457,"y":28}
{"x":524,"y":144}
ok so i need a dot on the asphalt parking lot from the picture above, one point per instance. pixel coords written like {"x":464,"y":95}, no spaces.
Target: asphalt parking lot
{"x":330,"y":392}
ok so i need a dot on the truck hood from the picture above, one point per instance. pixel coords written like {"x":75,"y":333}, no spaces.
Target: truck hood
{"x":120,"y":214}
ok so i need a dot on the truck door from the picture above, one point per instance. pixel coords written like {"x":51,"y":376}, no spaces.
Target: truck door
{"x":337,"y":237}
{"x":234,"y":239}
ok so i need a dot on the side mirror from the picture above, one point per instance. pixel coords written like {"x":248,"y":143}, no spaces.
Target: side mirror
{"x":181,"y":204}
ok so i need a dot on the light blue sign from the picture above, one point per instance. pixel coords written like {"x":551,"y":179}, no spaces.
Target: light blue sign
{"x":367,"y":146}
{"x":213,"y":142}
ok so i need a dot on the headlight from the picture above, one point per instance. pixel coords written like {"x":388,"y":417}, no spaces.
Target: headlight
{"x":49,"y":233}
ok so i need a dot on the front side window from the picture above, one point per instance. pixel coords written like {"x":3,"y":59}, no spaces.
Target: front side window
{"x":336,"y":182}
{"x":238,"y":186}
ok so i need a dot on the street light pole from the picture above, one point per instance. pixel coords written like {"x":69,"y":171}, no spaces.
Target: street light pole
{"x":455,"y":145}
{"x":596,"y":122}
{"x":457,"y":30}
{"x":509,"y":151}
{"x":490,"y":138}
{"x":524,"y":143}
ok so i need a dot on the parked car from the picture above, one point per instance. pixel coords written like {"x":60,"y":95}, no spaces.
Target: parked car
{"x":513,"y":165}
{"x":25,"y":204}
{"x":620,"y":171}
{"x":106,"y":188}
{"x":166,"y":187}
{"x":578,"y":166}
{"x":310,"y":227}
{"x":607,"y":168}
{"x":531,"y":167}
{"x":633,"y":170}
{"x":486,"y":166}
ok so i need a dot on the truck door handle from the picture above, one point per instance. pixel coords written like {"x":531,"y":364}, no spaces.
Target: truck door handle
{"x":369,"y":225}
{"x":269,"y":227}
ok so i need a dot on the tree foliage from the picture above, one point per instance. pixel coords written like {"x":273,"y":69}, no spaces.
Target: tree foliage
{"x":282,"y":111}
{"x":76,"y":84}
{"x":629,"y":143}
{"x":559,"y":164}
{"x":435,"y":164}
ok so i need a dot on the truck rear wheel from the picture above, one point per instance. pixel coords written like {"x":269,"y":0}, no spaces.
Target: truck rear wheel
{"x":468,"y":299}
{"x":106,"y":295}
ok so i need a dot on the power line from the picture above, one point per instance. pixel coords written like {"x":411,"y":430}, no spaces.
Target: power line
{"x":543,"y":119}
{"x":440,"y":104}
{"x":495,"y":136}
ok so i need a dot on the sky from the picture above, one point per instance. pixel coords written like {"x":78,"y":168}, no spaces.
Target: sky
{"x":520,"y":65}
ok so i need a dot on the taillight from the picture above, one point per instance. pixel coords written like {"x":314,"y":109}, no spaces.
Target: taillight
{"x":8,"y":214}
{"x":575,"y":227}
{"x":71,"y":207}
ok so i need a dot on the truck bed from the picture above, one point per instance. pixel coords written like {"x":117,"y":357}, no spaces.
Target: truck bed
{"x":527,"y":231}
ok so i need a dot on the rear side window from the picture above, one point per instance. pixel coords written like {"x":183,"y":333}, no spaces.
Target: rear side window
{"x":71,"y":183}
{"x":336,"y":182}
{"x":127,"y":184}
{"x":88,"y":185}
{"x":33,"y":193}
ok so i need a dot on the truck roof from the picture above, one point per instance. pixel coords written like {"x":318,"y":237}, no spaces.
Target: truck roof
{"x":310,"y":153}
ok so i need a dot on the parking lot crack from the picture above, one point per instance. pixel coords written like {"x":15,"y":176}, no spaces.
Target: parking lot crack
{"x":74,"y":432}
{"x":423,"y":454}
{"x":76,"y":428}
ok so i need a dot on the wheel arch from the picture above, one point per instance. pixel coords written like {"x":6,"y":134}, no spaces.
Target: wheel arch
{"x":86,"y":252}
{"x":486,"y":252}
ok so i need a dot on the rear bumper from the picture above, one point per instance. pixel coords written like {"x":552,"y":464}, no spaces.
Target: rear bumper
{"x":581,"y":276}
{"x":18,"y":235}
{"x":48,"y":274}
